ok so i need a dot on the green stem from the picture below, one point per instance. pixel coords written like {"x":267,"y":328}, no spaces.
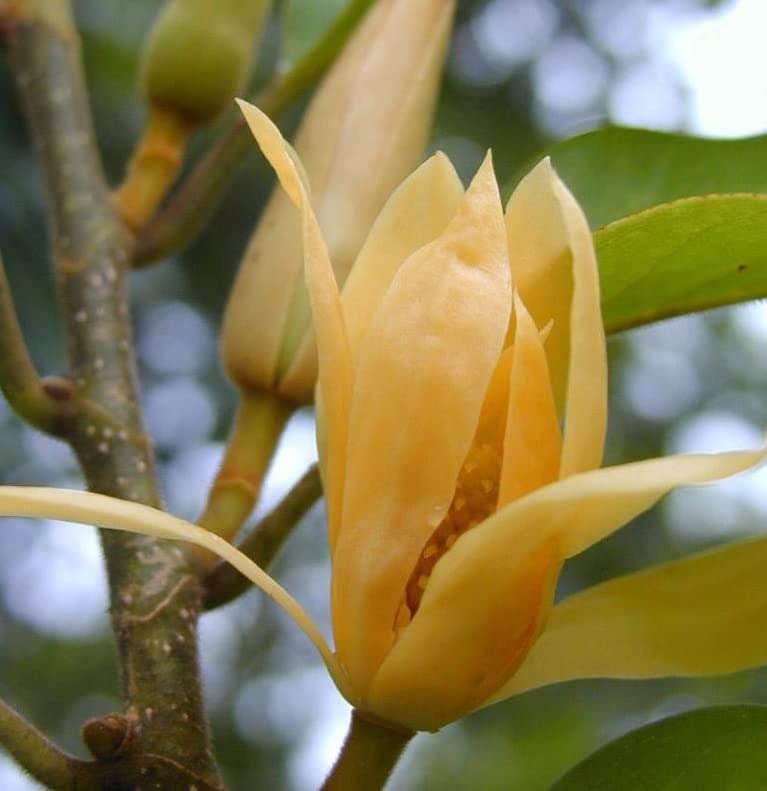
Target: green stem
{"x":190,"y":208}
{"x":263,"y":543}
{"x":42,"y":759}
{"x":154,"y":593}
{"x":369,"y":755}
{"x":46,"y":404}
{"x":260,"y":419}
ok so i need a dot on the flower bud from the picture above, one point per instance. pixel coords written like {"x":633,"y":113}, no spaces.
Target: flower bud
{"x":363,"y":132}
{"x":198,"y":54}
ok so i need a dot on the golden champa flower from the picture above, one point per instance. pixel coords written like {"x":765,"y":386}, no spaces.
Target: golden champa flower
{"x":453,"y":496}
{"x":464,"y":340}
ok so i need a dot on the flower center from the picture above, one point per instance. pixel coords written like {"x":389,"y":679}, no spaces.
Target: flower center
{"x":475,"y":498}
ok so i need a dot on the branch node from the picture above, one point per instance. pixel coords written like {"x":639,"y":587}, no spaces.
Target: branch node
{"x":110,"y":736}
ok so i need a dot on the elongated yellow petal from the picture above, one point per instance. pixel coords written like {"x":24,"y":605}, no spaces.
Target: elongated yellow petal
{"x":583,"y":509}
{"x":532,"y":445}
{"x":540,"y":265}
{"x":490,"y":594}
{"x":475,"y":626}
{"x":115,"y":514}
{"x":554,"y":269}
{"x":334,"y":359}
{"x":586,"y":405}
{"x":702,"y":615}
{"x":416,"y":214}
{"x":366,"y":129}
{"x":422,"y":373}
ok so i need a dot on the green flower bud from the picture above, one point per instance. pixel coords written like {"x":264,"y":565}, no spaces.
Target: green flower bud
{"x":198,"y":54}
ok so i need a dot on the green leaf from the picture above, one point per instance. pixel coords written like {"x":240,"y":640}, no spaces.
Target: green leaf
{"x":713,"y":749}
{"x":682,"y":257}
{"x":680,"y":220}
{"x":615,"y":172}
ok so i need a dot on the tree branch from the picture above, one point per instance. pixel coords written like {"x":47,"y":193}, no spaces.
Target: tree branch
{"x":46,"y":404}
{"x":154,"y":590}
{"x":190,"y":208}
{"x":41,"y":758}
{"x":263,"y":543}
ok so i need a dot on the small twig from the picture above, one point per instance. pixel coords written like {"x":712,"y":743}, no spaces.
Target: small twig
{"x":189,"y":209}
{"x":45,"y":403}
{"x":263,"y":543}
{"x":41,"y":758}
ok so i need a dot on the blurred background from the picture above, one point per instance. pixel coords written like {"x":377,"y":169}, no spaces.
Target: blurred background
{"x":521,"y":73}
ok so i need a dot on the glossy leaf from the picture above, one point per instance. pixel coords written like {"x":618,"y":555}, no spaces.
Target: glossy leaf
{"x":679,"y":220}
{"x":614,"y":172}
{"x":713,"y":749}
{"x":682,"y":257}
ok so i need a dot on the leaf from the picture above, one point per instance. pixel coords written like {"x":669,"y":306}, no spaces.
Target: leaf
{"x":721,"y":748}
{"x":679,"y":219}
{"x":615,"y":171}
{"x":682,"y":257}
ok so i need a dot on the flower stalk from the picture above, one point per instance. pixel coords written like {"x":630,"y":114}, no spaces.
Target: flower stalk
{"x":262,"y":544}
{"x":368,"y":756}
{"x":258,"y":424}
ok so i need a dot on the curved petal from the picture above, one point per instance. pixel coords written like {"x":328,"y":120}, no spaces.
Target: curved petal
{"x":473,"y":629}
{"x":490,"y":594}
{"x":532,"y":444}
{"x":583,"y":509}
{"x":416,"y":214}
{"x":554,"y":268}
{"x":586,"y":404}
{"x":335,"y":368}
{"x":702,"y":615}
{"x":114,"y":514}
{"x":422,"y":374}
{"x":540,"y":265}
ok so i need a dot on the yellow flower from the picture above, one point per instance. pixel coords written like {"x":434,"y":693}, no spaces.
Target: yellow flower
{"x":462,"y":407}
{"x":461,"y":414}
{"x":363,"y":132}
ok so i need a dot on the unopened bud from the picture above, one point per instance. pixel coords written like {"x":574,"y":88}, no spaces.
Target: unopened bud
{"x":198,"y":55}
{"x":364,"y":131}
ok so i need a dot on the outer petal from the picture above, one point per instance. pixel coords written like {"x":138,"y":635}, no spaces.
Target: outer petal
{"x":533,"y":444}
{"x":586,"y":406}
{"x":115,"y":514}
{"x":422,"y":374}
{"x":702,"y":615}
{"x":335,"y":368}
{"x":554,"y":268}
{"x":416,"y":214}
{"x":490,"y":593}
{"x":476,"y":623}
{"x":540,"y":264}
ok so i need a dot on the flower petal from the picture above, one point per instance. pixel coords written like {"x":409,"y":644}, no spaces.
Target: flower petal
{"x":334,"y":359}
{"x":701,"y":615}
{"x":533,"y":444}
{"x":473,"y":629}
{"x":490,"y":594}
{"x":422,"y":373}
{"x":554,"y":269}
{"x":583,"y":509}
{"x":586,"y":406}
{"x":114,"y":514}
{"x":416,"y":214}
{"x":540,"y":264}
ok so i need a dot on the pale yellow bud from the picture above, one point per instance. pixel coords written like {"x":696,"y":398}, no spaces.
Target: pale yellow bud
{"x":364,"y":131}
